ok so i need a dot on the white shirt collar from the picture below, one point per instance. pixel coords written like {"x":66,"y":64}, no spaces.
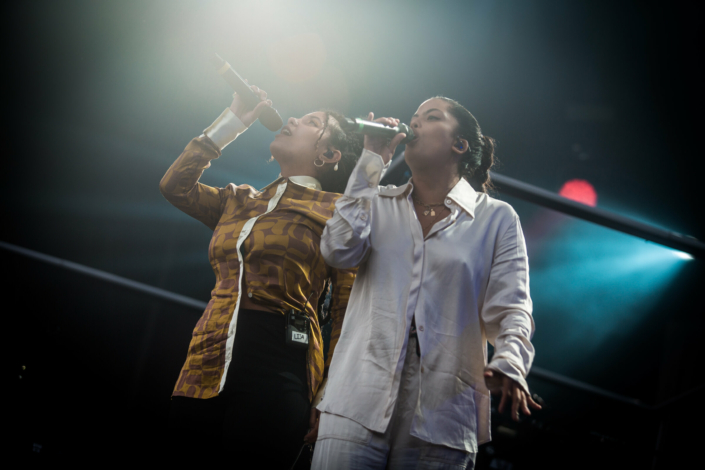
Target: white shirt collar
{"x":462,"y":193}
{"x":307,"y":182}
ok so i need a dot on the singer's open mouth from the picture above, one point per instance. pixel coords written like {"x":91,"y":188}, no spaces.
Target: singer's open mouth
{"x":286,"y":131}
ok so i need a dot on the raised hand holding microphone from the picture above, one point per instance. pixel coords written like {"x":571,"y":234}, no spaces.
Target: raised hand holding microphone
{"x":269,"y":117}
{"x":383,"y":146}
{"x":245,"y":113}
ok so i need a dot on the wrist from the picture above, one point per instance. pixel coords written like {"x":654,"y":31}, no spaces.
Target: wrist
{"x":239,"y":114}
{"x":225,"y":129}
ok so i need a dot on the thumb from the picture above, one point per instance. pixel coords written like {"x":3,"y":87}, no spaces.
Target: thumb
{"x":257,"y":111}
{"x":396,"y":140}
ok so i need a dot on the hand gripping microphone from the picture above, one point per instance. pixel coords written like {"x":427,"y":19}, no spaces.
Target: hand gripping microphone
{"x":376,"y":129}
{"x":270,"y":118}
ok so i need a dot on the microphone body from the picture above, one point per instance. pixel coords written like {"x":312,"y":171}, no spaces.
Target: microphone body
{"x":270,"y":118}
{"x":376,"y":129}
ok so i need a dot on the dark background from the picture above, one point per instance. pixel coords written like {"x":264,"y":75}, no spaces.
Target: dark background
{"x":100,"y":97}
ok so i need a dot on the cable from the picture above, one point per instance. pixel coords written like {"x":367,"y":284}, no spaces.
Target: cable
{"x":299,"y":455}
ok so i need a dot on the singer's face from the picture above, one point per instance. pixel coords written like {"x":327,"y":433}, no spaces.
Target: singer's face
{"x":435,"y":130}
{"x":296,"y":143}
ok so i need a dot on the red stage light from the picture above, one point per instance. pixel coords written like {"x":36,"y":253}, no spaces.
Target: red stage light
{"x":579,"y":191}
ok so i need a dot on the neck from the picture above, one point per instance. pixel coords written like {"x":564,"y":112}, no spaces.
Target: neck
{"x":431,"y":187}
{"x":288,"y":170}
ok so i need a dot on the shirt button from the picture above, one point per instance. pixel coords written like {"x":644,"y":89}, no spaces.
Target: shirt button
{"x":363,"y":216}
{"x":420,"y":327}
{"x":249,"y":294}
{"x":448,"y":201}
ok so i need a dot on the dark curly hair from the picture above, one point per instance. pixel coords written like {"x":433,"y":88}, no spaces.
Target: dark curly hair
{"x":476,"y":162}
{"x":350,"y":146}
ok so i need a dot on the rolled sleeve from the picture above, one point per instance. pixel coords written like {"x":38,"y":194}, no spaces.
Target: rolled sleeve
{"x":225,"y":129}
{"x":507,"y":310}
{"x":345,"y":241}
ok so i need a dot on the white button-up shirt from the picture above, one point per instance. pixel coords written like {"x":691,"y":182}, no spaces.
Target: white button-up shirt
{"x":466,"y":283}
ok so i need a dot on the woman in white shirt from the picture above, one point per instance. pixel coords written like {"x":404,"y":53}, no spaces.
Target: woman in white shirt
{"x":442,"y":271}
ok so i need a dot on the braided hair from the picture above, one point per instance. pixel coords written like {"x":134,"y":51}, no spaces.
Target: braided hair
{"x":350,"y":146}
{"x":476,"y":162}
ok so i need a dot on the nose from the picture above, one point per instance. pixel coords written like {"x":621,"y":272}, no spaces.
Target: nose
{"x":293,"y":121}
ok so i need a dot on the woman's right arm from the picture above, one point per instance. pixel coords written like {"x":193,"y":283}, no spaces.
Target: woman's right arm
{"x":180,"y":184}
{"x":345,"y":242}
{"x":346,"y":238}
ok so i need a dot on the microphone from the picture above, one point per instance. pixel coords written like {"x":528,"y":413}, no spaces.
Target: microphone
{"x":270,"y":118}
{"x":376,"y":129}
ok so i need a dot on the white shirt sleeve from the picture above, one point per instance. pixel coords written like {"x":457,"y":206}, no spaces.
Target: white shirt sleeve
{"x":225,"y":129}
{"x":345,"y":242}
{"x":507,"y":308}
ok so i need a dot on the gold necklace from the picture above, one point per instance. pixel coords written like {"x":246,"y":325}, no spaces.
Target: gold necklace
{"x":424,"y":228}
{"x":429,"y":207}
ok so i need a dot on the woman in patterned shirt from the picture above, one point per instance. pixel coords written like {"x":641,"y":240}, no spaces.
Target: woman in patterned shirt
{"x":241,"y":387}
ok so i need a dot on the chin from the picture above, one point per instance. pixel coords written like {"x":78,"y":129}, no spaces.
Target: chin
{"x":418,"y":159}
{"x":275,"y":148}
{"x":410,"y":155}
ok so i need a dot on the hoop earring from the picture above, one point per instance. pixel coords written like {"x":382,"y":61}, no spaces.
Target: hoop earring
{"x":318,"y":159}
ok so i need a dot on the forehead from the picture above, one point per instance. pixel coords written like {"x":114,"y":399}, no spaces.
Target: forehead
{"x":432,"y":103}
{"x":318,"y":114}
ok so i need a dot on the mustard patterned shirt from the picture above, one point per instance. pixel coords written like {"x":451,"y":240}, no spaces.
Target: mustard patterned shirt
{"x":273,"y":237}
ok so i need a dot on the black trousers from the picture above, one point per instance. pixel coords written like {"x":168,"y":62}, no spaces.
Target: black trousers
{"x":261,"y":416}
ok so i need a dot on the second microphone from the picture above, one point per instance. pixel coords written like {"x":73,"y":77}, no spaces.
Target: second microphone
{"x":376,"y":129}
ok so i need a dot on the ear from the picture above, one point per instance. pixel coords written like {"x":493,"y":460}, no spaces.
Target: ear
{"x":461,"y":146}
{"x":331,"y":156}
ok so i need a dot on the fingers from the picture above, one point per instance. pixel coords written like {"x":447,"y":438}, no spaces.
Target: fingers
{"x":246,"y":115}
{"x":261,"y":93}
{"x":524,"y":407}
{"x":260,"y":107}
{"x":505,"y":394}
{"x":512,"y":391}
{"x":387,"y":121}
{"x":312,"y":434}
{"x":516,"y":402}
{"x":532,"y":403}
{"x":370,"y":116}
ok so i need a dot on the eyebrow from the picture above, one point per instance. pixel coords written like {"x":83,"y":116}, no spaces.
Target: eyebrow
{"x":316,"y":117}
{"x":428,"y":111}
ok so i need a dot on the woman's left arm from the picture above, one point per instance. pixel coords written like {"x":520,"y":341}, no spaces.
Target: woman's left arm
{"x":509,"y":325}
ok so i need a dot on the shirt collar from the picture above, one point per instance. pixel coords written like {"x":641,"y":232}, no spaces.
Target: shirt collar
{"x":307,"y":182}
{"x":465,"y":196}
{"x":462,"y":194}
{"x":393,"y":191}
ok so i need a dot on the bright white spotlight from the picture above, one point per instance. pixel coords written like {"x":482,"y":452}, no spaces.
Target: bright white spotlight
{"x":683,"y":255}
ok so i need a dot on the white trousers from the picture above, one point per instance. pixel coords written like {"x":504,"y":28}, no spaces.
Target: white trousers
{"x":343,"y":444}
